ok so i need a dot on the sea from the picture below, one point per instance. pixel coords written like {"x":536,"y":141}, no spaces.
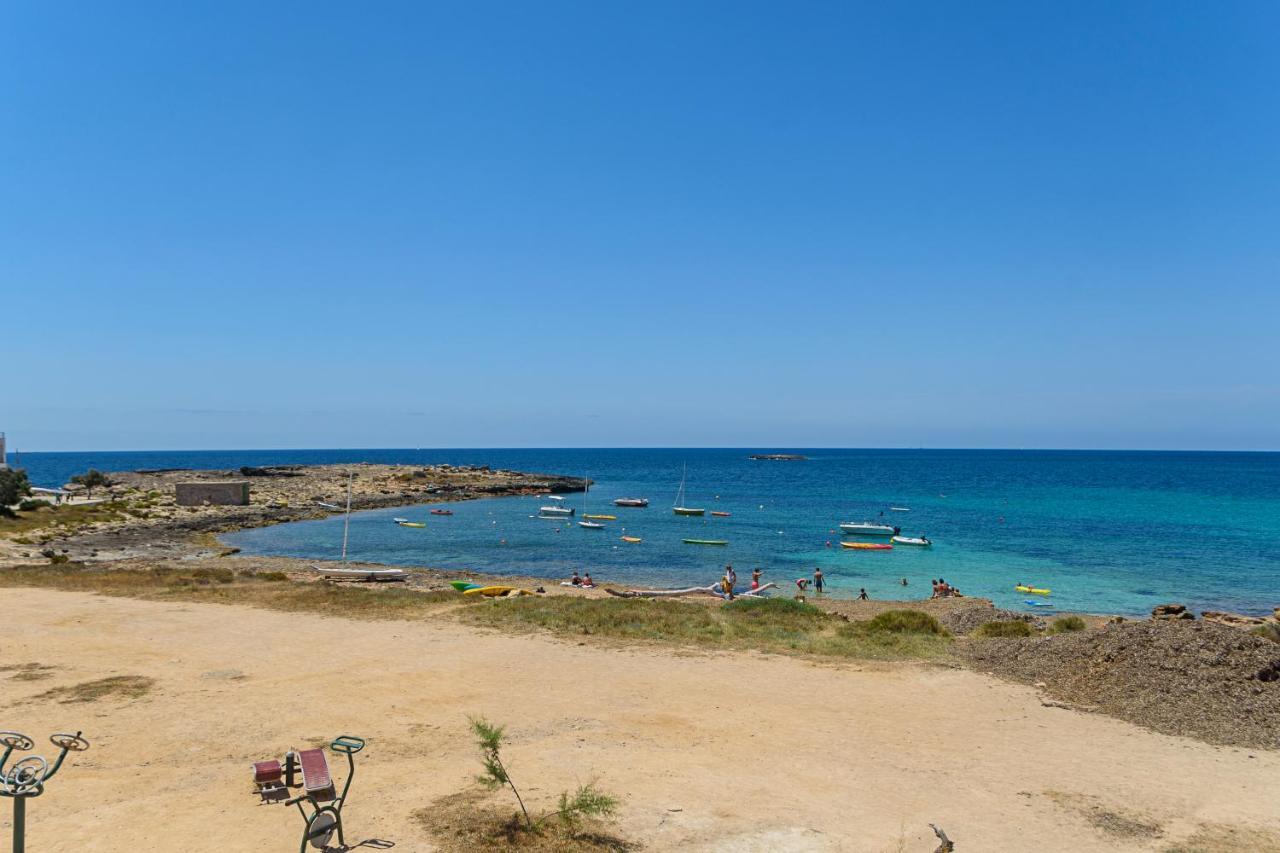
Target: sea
{"x":1107,"y":532}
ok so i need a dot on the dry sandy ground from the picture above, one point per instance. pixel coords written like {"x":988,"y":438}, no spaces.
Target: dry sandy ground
{"x":710,"y":752}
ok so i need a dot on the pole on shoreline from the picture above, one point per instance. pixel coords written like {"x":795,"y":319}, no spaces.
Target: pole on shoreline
{"x":346,"y":521}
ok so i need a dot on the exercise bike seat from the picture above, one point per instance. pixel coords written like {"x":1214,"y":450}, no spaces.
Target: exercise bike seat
{"x":316,"y":780}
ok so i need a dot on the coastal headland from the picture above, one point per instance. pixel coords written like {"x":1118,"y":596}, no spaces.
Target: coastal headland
{"x":776,"y":725}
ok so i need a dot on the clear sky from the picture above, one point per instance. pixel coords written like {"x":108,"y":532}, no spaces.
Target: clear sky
{"x":467,"y":224}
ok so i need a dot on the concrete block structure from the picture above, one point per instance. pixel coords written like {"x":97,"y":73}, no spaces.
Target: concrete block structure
{"x":4,"y":460}
{"x":213,"y":493}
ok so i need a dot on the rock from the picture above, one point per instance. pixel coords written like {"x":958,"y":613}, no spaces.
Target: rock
{"x":1233,"y":619}
{"x":1171,"y":611}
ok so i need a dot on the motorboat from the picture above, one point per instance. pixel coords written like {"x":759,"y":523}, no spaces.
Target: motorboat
{"x":633,"y":502}
{"x":555,"y":511}
{"x":869,"y":528}
{"x":591,"y":525}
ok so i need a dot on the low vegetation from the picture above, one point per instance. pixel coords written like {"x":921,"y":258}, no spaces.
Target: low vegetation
{"x":54,"y":521}
{"x":113,"y":687}
{"x":771,"y":625}
{"x":1066,"y":625}
{"x":1003,"y":629}
{"x":14,"y":486}
{"x":222,"y":586}
{"x":1269,"y":631}
{"x":465,"y":822}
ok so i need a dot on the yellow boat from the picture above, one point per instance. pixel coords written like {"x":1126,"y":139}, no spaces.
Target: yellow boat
{"x":630,"y":538}
{"x":410,"y":524}
{"x":602,"y":517}
{"x":492,"y":591}
{"x":1033,"y":589}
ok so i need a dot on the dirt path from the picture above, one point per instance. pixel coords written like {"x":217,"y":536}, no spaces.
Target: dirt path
{"x":710,"y":752}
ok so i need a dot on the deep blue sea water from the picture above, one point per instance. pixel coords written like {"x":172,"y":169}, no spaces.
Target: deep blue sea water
{"x":1113,"y":532}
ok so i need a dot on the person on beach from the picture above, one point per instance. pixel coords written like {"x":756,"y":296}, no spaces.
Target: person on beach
{"x":817,"y":580}
{"x":731,"y":575}
{"x":575,"y":580}
{"x":726,"y":583}
{"x":755,"y":578}
{"x":934,"y":583}
{"x":862,"y":594}
{"x":904,"y":581}
{"x":587,"y":581}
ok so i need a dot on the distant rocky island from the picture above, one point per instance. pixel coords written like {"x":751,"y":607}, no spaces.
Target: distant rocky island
{"x":780,"y":457}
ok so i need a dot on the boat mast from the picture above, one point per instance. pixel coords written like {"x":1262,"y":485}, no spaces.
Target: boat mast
{"x":346,"y":521}
{"x":680,"y":493}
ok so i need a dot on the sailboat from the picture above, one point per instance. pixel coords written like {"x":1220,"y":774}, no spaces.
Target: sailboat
{"x":345,"y":573}
{"x":679,"y":508}
{"x":586,"y":522}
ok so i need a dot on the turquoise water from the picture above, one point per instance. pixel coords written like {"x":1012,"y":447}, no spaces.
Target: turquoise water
{"x":1107,"y":531}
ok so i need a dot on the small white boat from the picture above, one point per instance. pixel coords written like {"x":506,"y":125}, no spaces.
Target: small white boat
{"x":635,"y":502}
{"x":554,"y":511}
{"x":868,"y":528}
{"x":899,"y":509}
{"x":361,"y":574}
{"x":922,"y":541}
{"x":400,"y":520}
{"x":328,"y":505}
{"x":591,"y":525}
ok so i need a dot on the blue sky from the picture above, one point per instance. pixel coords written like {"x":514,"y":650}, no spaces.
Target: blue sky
{"x":566,"y":224}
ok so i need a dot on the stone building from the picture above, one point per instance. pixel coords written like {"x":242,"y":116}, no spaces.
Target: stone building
{"x":213,"y":492}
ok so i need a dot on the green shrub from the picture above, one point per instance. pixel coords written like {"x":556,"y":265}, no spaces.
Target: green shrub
{"x":1066,"y":625}
{"x":1003,"y":629}
{"x":207,"y":575}
{"x":271,"y":576}
{"x":32,"y":504}
{"x":906,"y":622}
{"x":1270,"y":631}
{"x":58,"y":559}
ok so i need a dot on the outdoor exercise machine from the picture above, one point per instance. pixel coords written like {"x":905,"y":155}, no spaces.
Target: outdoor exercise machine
{"x":275,"y":778}
{"x":26,"y":777}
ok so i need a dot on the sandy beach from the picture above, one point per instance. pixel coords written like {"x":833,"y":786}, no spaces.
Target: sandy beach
{"x":707,"y":751}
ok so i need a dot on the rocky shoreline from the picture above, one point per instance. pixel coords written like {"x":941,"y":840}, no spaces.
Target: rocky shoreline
{"x":140,"y":515}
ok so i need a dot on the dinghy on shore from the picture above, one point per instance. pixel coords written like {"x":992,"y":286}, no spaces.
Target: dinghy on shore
{"x":351,"y":574}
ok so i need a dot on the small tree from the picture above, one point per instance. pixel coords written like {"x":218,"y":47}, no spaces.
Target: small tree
{"x":14,"y":486}
{"x":587,"y":801}
{"x":92,"y":479}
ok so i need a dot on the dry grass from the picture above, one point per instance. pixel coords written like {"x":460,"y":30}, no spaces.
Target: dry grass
{"x":770,"y":625}
{"x":112,"y":687}
{"x":471,"y":820}
{"x":1226,"y":839}
{"x":28,"y":671}
{"x":222,"y":586}
{"x":59,"y":521}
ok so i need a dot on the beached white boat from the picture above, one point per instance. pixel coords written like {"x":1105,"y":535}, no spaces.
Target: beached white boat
{"x":679,"y":508}
{"x":361,"y":574}
{"x":868,"y":528}
{"x":921,"y":541}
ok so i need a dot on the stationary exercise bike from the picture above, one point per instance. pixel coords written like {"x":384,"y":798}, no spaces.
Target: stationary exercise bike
{"x":325,"y":817}
{"x":26,"y":777}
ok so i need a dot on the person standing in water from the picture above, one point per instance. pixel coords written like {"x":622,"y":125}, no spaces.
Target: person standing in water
{"x":817,"y":580}
{"x":727,"y":582}
{"x":755,"y":578}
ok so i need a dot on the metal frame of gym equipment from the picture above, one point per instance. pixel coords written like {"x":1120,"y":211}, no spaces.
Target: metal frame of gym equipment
{"x":26,"y":778}
{"x":326,"y":809}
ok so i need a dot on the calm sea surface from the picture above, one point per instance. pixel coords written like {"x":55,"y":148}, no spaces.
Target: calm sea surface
{"x":1107,"y":531}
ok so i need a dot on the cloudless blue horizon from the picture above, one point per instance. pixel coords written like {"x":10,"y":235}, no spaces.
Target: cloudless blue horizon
{"x":991,"y":224}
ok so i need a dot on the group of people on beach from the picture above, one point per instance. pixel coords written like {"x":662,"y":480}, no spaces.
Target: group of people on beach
{"x":942,"y":589}
{"x":730,"y":580}
{"x":584,"y":582}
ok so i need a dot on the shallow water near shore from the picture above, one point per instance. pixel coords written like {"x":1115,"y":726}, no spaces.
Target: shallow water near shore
{"x":1108,"y":532}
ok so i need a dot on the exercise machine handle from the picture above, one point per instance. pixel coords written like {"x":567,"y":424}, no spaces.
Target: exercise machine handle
{"x":347,"y":744}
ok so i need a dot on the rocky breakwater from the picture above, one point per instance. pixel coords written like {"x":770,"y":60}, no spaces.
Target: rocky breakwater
{"x":142,"y":517}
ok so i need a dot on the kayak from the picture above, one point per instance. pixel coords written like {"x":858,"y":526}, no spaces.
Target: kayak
{"x":630,"y":538}
{"x":602,"y":517}
{"x":442,"y":512}
{"x":867,"y":546}
{"x":912,"y":540}
{"x":411,"y":524}
{"x":1038,"y":603}
{"x":491,"y":591}
{"x":705,"y":541}
{"x":1033,"y":589}
{"x":463,"y":586}
{"x":899,"y":509}
{"x":719,"y":514}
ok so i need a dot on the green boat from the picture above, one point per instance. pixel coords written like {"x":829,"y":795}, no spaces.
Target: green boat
{"x":463,"y":586}
{"x":705,"y":541}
